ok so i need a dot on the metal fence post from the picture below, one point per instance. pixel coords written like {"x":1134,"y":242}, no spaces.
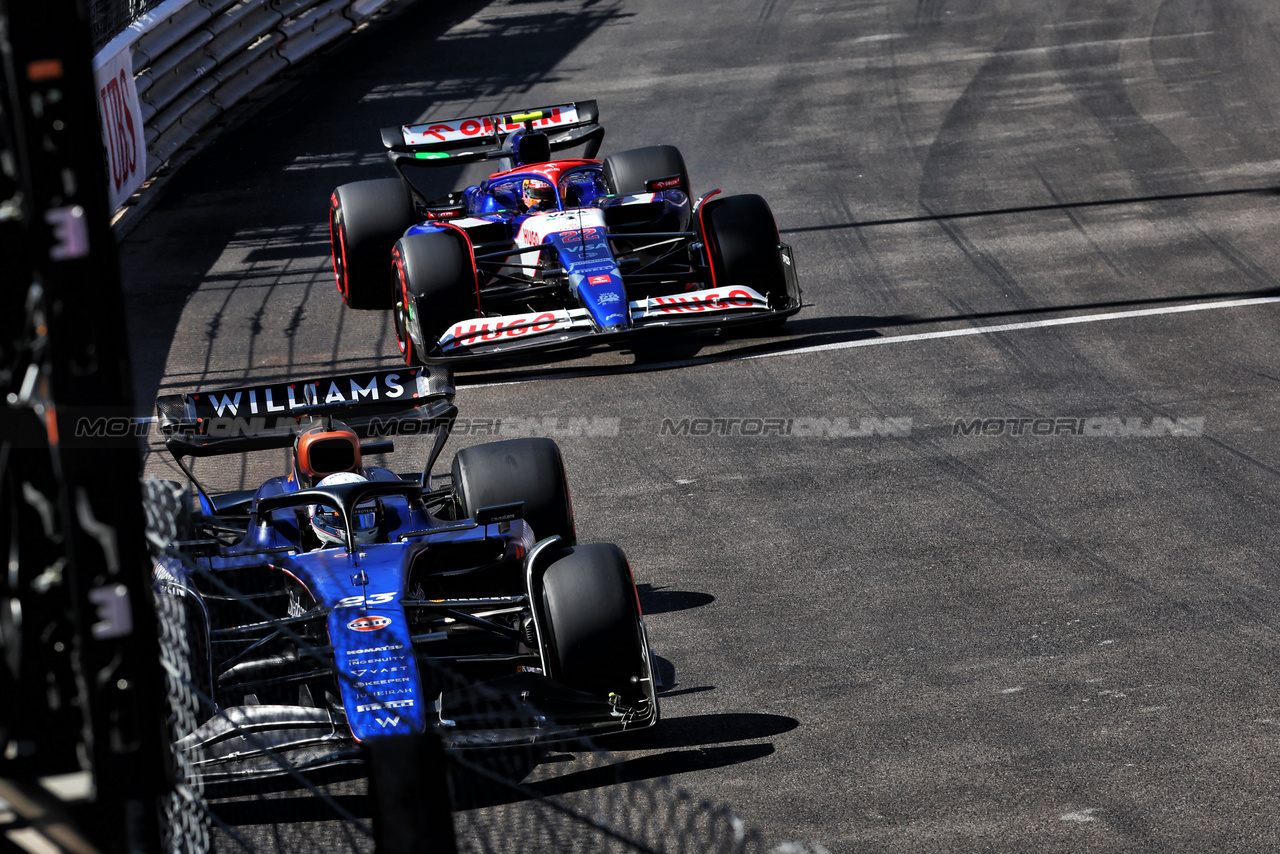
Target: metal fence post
{"x":409,"y":794}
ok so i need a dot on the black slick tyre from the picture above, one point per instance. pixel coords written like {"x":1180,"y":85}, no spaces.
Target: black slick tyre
{"x":435,"y":285}
{"x":365,"y":220}
{"x":529,"y":470}
{"x":627,"y":172}
{"x":742,"y":238}
{"x":592,"y":625}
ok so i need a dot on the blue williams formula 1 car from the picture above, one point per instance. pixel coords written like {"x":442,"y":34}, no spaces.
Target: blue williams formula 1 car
{"x":339,"y":601}
{"x":547,"y":251}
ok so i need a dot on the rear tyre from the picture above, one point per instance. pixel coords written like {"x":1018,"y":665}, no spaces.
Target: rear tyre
{"x":435,"y":286}
{"x":593,"y":622}
{"x":626,"y":172}
{"x":529,"y":470}
{"x":365,"y":220}
{"x":742,"y":238}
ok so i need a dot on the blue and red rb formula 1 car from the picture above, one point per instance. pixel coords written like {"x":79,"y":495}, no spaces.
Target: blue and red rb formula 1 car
{"x":550,"y":252}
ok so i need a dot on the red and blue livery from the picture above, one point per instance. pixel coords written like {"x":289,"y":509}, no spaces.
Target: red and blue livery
{"x":551,"y":251}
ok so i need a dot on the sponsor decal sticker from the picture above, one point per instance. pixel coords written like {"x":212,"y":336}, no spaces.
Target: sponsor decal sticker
{"x":580,"y":234}
{"x":492,"y":329}
{"x":456,"y":129}
{"x":389,"y":704}
{"x":599,"y":280}
{"x":703,"y":301}
{"x":388,"y":648}
{"x":369,"y":624}
{"x":363,"y":670}
{"x":285,"y":397}
{"x":590,"y":268}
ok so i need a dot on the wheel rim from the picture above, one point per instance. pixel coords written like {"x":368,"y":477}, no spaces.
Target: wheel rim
{"x":337,"y":240}
{"x":401,"y":314}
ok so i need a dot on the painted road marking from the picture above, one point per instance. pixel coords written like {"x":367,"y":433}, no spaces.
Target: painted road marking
{"x":1013,"y":327}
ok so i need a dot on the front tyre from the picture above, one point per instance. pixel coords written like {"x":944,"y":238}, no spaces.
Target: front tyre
{"x":529,"y":470}
{"x":435,"y":285}
{"x":593,"y":630}
{"x":742,"y":240}
{"x":627,"y":172}
{"x":365,"y":220}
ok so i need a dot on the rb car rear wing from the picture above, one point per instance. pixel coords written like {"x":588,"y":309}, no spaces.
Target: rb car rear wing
{"x":475,"y":138}
{"x":262,"y":417}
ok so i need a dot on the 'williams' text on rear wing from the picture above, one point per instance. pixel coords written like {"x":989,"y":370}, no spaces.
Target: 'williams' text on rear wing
{"x":261,"y":417}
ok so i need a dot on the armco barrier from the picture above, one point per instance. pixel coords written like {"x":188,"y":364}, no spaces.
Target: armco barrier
{"x":191,"y":60}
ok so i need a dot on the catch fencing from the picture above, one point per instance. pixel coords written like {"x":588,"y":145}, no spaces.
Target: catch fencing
{"x":573,"y":798}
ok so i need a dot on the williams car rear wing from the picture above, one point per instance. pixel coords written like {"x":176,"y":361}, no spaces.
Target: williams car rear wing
{"x":468,"y":140}
{"x":262,"y":417}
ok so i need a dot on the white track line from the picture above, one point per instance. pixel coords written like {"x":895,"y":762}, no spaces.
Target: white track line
{"x":903,"y":339}
{"x":1013,"y":327}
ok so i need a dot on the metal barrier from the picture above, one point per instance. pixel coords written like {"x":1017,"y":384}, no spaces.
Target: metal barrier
{"x":192,"y":60}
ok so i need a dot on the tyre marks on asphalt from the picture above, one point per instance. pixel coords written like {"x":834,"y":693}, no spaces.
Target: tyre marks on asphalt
{"x":1132,"y":601}
{"x":963,"y":167}
{"x":1092,"y":69}
{"x":930,"y":12}
{"x":1078,"y":225}
{"x":1086,"y":57}
{"x":1252,"y":270}
{"x":961,"y":156}
{"x":1207,"y":55}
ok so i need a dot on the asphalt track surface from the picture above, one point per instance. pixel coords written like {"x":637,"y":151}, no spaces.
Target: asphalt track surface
{"x":888,"y":632}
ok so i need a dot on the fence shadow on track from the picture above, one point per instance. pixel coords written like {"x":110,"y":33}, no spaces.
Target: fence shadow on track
{"x":625,"y":774}
{"x":802,"y":332}
{"x":936,"y":216}
{"x":677,"y":746}
{"x":407,"y":65}
{"x":239,"y":789}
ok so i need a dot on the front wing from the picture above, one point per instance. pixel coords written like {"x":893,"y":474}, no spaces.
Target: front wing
{"x":492,"y":337}
{"x":263,"y":742}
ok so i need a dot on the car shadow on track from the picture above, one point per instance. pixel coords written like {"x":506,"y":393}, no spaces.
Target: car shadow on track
{"x":669,"y":352}
{"x":693,"y":743}
{"x":660,"y":600}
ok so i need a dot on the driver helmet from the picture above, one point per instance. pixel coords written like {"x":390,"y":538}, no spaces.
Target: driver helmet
{"x":537,"y":195}
{"x":327,"y":522}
